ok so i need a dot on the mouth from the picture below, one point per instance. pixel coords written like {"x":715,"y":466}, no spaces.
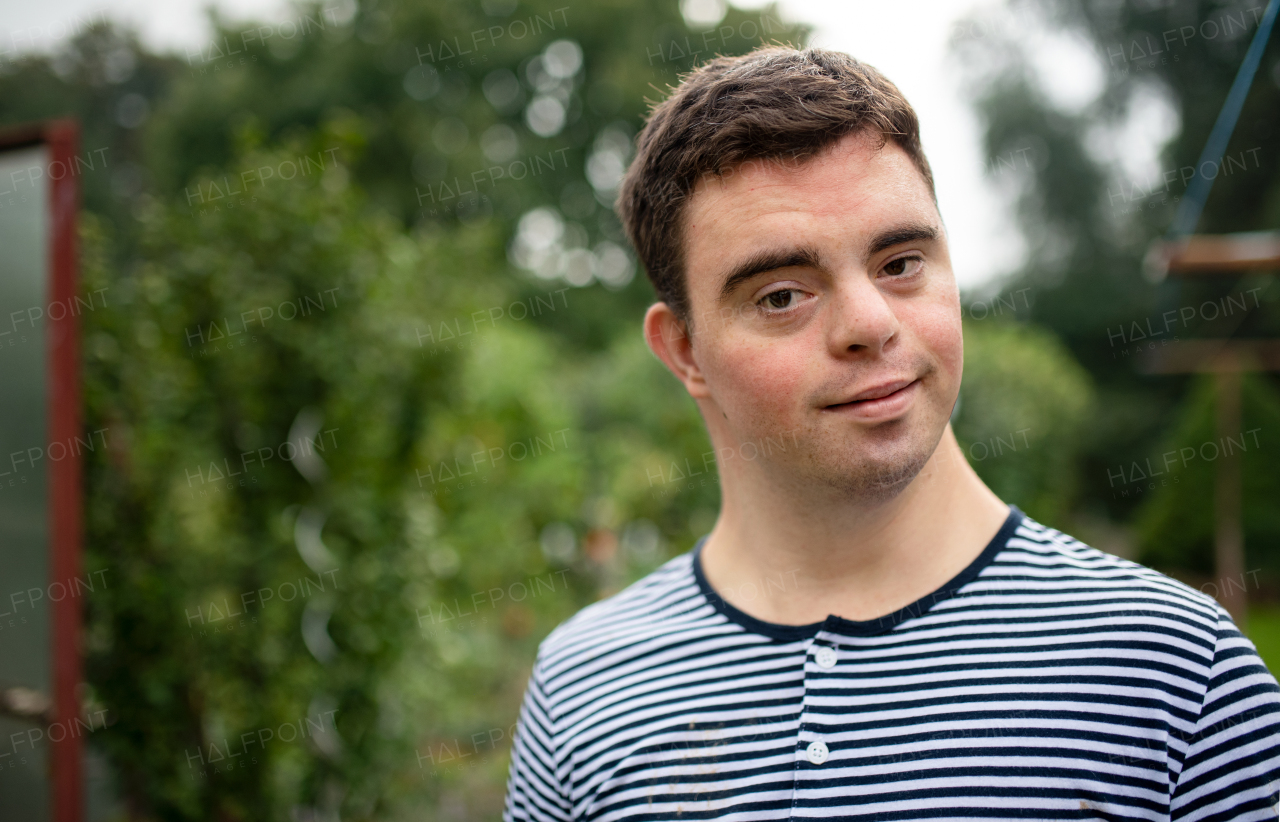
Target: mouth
{"x":879,"y":402}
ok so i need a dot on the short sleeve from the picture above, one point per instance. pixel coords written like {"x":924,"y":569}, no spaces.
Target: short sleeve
{"x":533,"y":787}
{"x":1232,"y":767}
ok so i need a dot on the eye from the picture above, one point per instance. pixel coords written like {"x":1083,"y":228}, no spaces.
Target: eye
{"x":780,"y":300}
{"x":903,"y":266}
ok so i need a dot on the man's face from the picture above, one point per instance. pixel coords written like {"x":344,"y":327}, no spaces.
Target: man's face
{"x":825,"y":317}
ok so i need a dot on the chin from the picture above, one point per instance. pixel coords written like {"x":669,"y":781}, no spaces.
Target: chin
{"x":869,"y":471}
{"x":876,"y":481}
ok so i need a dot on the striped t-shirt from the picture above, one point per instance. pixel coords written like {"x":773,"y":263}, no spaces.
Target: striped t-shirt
{"x":1048,"y":680}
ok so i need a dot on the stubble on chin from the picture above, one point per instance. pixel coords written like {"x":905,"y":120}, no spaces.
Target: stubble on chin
{"x":857,"y":473}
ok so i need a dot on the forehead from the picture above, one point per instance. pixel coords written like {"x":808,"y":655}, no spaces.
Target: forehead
{"x":843,"y":194}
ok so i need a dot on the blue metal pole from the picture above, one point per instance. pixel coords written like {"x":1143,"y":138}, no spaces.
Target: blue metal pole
{"x":1198,"y":192}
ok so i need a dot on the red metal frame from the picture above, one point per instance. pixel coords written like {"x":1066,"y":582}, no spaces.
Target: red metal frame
{"x":66,"y":490}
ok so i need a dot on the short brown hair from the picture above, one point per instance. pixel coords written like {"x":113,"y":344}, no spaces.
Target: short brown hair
{"x":773,"y":103}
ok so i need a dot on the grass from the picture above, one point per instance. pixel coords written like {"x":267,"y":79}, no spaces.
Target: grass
{"x":1264,"y":631}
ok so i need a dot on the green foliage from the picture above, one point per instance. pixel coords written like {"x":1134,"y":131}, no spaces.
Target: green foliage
{"x":108,"y":83}
{"x":244,"y":336}
{"x":1023,"y":407}
{"x":1175,"y":523}
{"x":1264,"y":633}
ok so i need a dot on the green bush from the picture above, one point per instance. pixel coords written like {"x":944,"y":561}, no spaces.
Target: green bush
{"x":1023,"y":406}
{"x":282,"y":327}
{"x":1175,"y":522}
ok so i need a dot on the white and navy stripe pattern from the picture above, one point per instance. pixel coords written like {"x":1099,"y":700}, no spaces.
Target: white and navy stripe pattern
{"x":1048,"y":680}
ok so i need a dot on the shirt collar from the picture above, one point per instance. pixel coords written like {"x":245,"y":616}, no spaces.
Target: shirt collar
{"x":848,"y":627}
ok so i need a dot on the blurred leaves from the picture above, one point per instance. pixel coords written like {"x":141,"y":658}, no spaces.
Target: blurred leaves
{"x":1175,"y":524}
{"x":291,"y":301}
{"x":1023,"y":407}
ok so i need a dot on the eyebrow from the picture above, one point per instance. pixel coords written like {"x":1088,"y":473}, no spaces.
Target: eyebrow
{"x":808,"y":257}
{"x":764,"y":261}
{"x":902,"y":234}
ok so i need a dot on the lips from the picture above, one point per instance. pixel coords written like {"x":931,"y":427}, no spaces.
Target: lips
{"x":878,"y":404}
{"x":876,"y":392}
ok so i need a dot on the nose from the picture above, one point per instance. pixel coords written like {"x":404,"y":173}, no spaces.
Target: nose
{"x":862,"y":319}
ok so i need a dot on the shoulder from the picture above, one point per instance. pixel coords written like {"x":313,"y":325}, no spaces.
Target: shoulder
{"x":665,"y":607}
{"x":1046,"y":565}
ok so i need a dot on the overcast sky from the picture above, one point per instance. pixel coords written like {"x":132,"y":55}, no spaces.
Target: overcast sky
{"x":905,"y":40}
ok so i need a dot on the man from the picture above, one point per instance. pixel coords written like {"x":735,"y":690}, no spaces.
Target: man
{"x":867,"y":631}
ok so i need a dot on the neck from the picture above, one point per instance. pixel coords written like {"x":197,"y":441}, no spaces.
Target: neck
{"x":793,"y":557}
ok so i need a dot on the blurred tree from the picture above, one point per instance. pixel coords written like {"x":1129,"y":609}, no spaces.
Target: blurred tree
{"x":1175,"y":521}
{"x":1021,"y":415}
{"x":260,"y":396}
{"x":110,"y":84}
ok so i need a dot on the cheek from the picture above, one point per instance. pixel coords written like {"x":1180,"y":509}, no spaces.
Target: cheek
{"x":761,"y":381}
{"x":941,"y":333}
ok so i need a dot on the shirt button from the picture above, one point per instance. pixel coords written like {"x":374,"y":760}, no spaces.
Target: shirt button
{"x":817,"y":752}
{"x":825,"y":657}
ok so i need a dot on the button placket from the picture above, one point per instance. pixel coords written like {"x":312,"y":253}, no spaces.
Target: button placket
{"x":824,"y":658}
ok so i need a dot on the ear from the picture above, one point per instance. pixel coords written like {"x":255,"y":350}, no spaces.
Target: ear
{"x":667,"y":339}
